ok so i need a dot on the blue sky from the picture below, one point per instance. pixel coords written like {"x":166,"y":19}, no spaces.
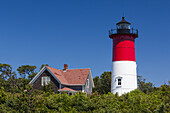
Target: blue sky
{"x":75,"y":32}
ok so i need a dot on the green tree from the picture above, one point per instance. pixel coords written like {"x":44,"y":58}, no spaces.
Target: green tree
{"x":106,"y":82}
{"x":103,"y":83}
{"x":49,"y":88}
{"x":24,"y":102}
{"x":12,"y":83}
{"x":26,"y":70}
{"x":145,"y":87}
{"x":2,"y":96}
{"x":31,"y":76}
{"x":7,"y":77}
{"x":97,"y":84}
{"x":5,"y":71}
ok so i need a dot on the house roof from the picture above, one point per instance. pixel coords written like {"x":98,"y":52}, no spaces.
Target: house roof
{"x":70,"y":76}
{"x":67,"y":89}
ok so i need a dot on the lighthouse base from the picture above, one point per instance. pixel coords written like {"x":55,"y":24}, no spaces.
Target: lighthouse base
{"x":121,"y":91}
{"x":124,"y":77}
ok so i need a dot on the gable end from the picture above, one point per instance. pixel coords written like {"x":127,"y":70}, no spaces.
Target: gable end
{"x":40,"y":73}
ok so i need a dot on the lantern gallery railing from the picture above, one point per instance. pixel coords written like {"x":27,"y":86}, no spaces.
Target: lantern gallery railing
{"x":123,"y":31}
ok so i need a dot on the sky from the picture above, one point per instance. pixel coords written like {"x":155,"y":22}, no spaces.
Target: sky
{"x":75,"y":32}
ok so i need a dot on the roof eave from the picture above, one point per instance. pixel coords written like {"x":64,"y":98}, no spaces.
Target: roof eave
{"x":72,"y":84}
{"x":67,"y":91}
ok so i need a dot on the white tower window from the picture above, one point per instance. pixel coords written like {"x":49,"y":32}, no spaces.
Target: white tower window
{"x":45,"y":81}
{"x":119,"y":82}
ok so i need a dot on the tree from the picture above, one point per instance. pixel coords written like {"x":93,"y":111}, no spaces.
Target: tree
{"x":49,"y":87}
{"x":97,"y":84}
{"x":106,"y":82}
{"x":143,"y":86}
{"x":24,"y":102}
{"x":2,"y":95}
{"x":102,"y":83}
{"x":26,"y":70}
{"x":5,"y":71}
{"x":31,"y":76}
{"x":7,"y":77}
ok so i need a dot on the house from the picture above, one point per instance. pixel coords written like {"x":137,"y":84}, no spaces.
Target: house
{"x":65,"y":80}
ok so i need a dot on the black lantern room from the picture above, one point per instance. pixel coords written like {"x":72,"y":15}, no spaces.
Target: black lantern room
{"x":123,"y":27}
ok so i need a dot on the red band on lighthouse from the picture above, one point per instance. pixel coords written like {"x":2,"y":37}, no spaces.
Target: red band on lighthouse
{"x":123,"y":48}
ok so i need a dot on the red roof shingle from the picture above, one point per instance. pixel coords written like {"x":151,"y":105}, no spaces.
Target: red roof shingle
{"x":67,"y":89}
{"x":70,"y":76}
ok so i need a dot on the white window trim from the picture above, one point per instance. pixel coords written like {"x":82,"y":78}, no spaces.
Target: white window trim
{"x":47,"y":80}
{"x":87,"y":83}
{"x":117,"y":85}
{"x":82,"y":88}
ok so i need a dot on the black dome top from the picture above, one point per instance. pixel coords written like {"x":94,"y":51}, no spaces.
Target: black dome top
{"x":122,"y":21}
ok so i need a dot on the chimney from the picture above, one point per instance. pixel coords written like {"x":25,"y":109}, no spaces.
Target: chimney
{"x":65,"y":67}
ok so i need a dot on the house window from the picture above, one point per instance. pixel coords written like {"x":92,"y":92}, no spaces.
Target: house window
{"x":87,"y":83}
{"x":119,"y":82}
{"x":45,"y":80}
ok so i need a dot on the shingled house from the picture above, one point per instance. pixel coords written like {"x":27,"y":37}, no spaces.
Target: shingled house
{"x":65,"y":80}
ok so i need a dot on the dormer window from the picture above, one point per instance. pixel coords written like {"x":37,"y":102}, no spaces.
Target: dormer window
{"x":45,"y":80}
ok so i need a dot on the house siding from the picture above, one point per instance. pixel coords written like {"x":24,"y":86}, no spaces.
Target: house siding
{"x":37,"y":83}
{"x":89,"y":89}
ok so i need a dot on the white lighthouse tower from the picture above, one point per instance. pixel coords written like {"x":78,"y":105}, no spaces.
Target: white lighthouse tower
{"x":124,"y":72}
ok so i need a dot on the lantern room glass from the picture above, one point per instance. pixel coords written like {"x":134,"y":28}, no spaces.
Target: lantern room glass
{"x":123,"y":26}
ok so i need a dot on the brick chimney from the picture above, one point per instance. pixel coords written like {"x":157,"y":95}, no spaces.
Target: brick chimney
{"x":65,"y":67}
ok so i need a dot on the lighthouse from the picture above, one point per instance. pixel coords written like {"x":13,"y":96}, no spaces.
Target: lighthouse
{"x":124,"y":70}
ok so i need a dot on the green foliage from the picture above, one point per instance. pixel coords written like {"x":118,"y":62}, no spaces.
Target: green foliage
{"x":19,"y":97}
{"x":26,"y":70}
{"x":5,"y":70}
{"x":145,"y":87}
{"x":37,"y":101}
{"x":49,"y":88}
{"x":31,"y":76}
{"x":103,"y":83}
{"x":2,"y":96}
{"x":7,"y":77}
